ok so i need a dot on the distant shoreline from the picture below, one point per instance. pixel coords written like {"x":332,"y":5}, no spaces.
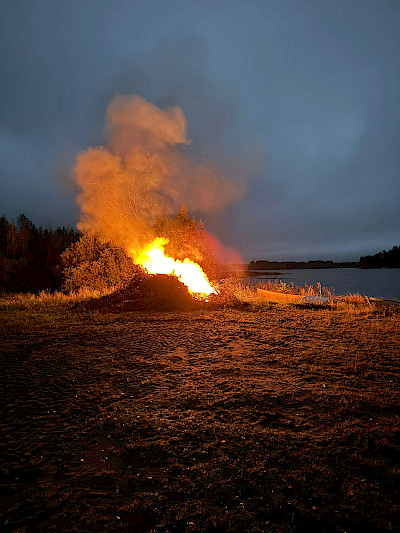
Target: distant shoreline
{"x":255,"y":266}
{"x":291,"y":265}
{"x":384,"y":259}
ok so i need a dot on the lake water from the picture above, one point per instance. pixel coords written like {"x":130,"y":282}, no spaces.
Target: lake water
{"x":374,"y":282}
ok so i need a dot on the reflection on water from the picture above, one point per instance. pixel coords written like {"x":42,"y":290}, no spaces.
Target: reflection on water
{"x":376,"y":282}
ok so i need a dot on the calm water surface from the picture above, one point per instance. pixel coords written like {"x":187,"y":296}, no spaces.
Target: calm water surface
{"x":375,"y":282}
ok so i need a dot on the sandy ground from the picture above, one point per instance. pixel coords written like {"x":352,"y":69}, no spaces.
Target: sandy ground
{"x":223,"y":420}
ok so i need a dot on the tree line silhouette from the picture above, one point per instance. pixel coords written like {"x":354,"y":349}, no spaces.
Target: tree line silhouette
{"x":390,"y":259}
{"x":30,"y":255}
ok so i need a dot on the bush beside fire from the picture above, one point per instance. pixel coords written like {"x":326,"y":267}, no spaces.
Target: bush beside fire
{"x":93,"y":264}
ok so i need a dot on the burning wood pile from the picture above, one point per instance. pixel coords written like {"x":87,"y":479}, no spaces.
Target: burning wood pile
{"x":153,"y":258}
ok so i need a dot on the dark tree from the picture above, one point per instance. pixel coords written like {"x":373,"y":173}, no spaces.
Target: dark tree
{"x":390,"y":259}
{"x":30,"y":256}
{"x":187,"y":238}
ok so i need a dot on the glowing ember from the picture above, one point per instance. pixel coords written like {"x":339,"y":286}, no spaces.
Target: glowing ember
{"x":152,"y":257}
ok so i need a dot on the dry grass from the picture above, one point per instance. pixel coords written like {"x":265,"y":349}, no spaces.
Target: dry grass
{"x":290,"y":288}
{"x":47,"y":298}
{"x":19,"y":311}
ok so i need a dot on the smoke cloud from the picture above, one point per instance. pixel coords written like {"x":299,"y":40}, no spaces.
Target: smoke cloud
{"x":143,"y":174}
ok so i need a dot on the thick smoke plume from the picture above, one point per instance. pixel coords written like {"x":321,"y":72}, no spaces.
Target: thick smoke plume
{"x":143,"y":174}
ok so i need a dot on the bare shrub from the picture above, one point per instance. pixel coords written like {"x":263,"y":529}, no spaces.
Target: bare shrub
{"x":93,"y":264}
{"x":187,"y":238}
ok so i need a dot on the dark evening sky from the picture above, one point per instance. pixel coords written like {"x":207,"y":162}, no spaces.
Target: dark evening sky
{"x":299,"y":98}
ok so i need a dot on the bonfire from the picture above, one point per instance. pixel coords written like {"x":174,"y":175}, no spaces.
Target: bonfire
{"x":153,"y":259}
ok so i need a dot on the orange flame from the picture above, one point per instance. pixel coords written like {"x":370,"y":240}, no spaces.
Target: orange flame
{"x":152,"y":257}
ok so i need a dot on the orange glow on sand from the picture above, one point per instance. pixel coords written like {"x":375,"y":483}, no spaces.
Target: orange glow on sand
{"x":152,"y":257}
